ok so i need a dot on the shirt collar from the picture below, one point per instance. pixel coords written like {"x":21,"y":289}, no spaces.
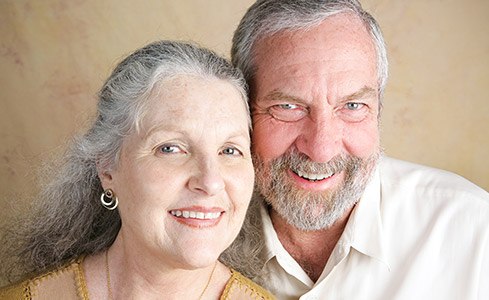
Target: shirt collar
{"x":364,"y":228}
{"x":274,"y":250}
{"x":271,"y":239}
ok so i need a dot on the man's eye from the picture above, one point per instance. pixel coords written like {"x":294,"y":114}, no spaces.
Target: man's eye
{"x":354,"y":105}
{"x":354,"y":111}
{"x":231,"y":151}
{"x":288,"y":106}
{"x":288,"y":112}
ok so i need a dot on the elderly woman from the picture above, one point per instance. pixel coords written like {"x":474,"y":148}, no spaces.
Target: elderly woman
{"x":151,"y":195}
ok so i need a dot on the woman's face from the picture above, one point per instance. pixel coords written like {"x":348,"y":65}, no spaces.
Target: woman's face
{"x":185,"y":180}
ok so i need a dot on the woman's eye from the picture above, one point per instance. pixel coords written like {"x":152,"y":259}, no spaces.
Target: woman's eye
{"x":288,"y":112}
{"x":169,"y":149}
{"x":231,"y":151}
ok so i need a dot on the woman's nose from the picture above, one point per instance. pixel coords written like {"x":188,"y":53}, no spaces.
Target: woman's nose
{"x":207,"y":179}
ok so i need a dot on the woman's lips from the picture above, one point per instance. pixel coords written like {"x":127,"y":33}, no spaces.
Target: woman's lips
{"x":198,"y":217}
{"x":195,"y":214}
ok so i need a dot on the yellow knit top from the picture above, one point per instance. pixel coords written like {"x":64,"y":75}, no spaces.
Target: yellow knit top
{"x":68,"y":282}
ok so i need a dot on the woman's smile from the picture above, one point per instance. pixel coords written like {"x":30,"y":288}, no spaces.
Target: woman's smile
{"x":198,"y":216}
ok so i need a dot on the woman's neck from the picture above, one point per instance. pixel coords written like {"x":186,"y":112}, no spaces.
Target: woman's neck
{"x":135,"y":276}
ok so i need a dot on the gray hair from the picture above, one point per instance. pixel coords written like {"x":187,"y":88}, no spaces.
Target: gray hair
{"x":68,"y":220}
{"x":246,"y":254}
{"x":268,"y":17}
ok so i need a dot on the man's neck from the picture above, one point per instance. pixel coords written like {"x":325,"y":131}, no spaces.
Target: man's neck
{"x":311,"y":249}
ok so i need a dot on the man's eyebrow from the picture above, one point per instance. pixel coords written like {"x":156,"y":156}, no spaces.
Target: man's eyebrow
{"x":365,"y":92}
{"x":278,"y":95}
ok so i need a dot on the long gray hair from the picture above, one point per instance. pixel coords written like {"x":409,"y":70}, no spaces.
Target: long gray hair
{"x":267,"y":17}
{"x":263,"y":19}
{"x":68,"y":220}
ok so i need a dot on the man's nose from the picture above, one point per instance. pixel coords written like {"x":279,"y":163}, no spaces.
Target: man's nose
{"x":207,"y":178}
{"x":320,"y":139}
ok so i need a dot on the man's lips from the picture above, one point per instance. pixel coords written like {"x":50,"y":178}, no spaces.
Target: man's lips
{"x":312,"y":176}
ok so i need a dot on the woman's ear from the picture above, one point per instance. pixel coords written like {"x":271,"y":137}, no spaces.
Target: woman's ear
{"x":105,"y":176}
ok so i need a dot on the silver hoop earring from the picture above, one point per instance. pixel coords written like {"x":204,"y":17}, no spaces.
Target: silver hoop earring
{"x":109,"y":200}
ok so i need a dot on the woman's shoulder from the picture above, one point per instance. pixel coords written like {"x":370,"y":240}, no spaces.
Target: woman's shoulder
{"x":18,"y":290}
{"x":66,"y":282}
{"x":240,"y":287}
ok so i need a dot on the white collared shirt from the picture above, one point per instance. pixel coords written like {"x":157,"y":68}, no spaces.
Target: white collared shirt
{"x":416,"y":233}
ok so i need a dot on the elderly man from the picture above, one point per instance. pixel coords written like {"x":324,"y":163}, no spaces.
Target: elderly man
{"x":333,"y":218}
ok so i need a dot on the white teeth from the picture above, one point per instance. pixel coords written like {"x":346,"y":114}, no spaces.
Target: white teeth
{"x":195,"y":214}
{"x":212,"y":215}
{"x":313,"y":177}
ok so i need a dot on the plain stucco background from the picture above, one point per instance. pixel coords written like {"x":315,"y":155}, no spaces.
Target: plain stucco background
{"x":55,"y":54}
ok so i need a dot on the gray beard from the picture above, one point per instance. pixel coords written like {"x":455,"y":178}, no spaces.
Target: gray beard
{"x":313,"y":210}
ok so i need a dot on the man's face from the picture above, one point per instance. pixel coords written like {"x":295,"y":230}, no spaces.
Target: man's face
{"x":315,"y":117}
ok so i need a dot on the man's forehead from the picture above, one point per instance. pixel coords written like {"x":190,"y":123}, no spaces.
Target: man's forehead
{"x":332,"y":28}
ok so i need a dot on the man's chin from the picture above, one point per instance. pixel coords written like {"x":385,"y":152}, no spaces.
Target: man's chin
{"x":307,"y":209}
{"x":310,"y":210}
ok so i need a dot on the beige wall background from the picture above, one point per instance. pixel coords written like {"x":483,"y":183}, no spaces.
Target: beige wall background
{"x":55,"y":54}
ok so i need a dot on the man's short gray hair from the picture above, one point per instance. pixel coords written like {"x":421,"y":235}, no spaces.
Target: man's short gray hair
{"x":267,"y":17}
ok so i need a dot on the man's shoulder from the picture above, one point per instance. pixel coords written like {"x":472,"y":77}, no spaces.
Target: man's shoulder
{"x":411,"y":189}
{"x":412,"y":178}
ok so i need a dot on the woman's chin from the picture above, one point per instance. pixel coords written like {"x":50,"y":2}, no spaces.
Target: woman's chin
{"x":200,"y":261}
